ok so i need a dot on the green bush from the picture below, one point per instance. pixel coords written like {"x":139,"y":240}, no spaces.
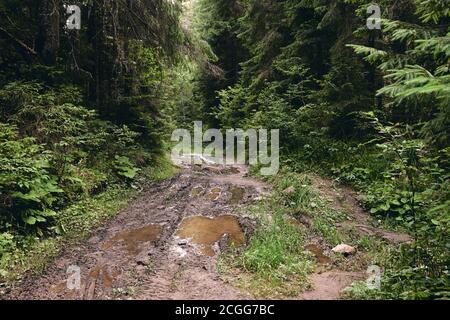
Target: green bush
{"x":53,"y":151}
{"x":28,"y":191}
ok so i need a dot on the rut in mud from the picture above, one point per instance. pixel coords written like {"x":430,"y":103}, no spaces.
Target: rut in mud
{"x":163,"y":246}
{"x":166,"y":243}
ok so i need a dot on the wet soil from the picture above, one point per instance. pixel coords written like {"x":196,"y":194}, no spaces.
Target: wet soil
{"x":166,"y":243}
{"x":163,"y":246}
{"x":206,"y":231}
{"x":329,"y":285}
{"x":133,"y":238}
{"x":321,"y":258}
{"x":345,"y":198}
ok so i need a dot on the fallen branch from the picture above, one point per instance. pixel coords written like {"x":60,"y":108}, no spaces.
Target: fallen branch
{"x":18,"y":41}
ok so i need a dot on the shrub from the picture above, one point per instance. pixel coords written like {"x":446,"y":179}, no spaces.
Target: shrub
{"x":27,"y":188}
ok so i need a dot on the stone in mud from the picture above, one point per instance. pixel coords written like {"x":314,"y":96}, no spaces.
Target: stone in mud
{"x":289,"y":190}
{"x":180,"y":252}
{"x":344,"y":249}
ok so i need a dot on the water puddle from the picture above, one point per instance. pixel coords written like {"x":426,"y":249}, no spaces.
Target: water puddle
{"x":237,"y":193}
{"x":132,"y":239}
{"x":206,"y":231}
{"x":214,"y":194}
{"x":321,"y":258}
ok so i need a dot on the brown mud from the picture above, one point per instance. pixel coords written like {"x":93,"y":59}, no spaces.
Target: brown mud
{"x":163,"y":246}
{"x":166,"y":243}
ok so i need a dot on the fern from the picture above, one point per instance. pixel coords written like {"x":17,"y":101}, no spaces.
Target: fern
{"x":372,"y":55}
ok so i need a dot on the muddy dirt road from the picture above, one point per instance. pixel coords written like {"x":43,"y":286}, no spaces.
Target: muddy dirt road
{"x":163,"y":246}
{"x":166,"y":243}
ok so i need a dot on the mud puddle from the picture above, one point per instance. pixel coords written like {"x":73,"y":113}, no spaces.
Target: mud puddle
{"x":321,"y":258}
{"x":119,"y":260}
{"x":237,"y":194}
{"x":132,"y":239}
{"x":206,"y":231}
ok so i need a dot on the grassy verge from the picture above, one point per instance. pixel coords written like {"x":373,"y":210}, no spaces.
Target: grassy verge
{"x":276,"y":263}
{"x":76,"y":223}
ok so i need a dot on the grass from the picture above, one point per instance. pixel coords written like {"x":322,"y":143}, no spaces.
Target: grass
{"x":275,"y":263}
{"x":275,"y":257}
{"x":161,"y":169}
{"x":76,"y":223}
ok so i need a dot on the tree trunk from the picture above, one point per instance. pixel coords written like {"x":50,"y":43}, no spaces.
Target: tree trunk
{"x":50,"y":27}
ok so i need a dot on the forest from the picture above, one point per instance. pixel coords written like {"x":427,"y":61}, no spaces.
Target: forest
{"x":86,"y":117}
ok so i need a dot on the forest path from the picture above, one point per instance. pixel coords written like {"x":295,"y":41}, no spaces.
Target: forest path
{"x":166,"y":243}
{"x":328,"y":284}
{"x":163,"y":246}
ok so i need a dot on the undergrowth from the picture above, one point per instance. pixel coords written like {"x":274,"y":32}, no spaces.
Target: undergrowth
{"x":21,"y":253}
{"x":276,"y":264}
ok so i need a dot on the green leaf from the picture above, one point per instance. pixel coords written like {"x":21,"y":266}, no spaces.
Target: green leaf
{"x":29,"y":220}
{"x":435,"y":222}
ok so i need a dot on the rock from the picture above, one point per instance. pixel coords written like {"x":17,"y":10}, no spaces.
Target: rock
{"x":179,"y":251}
{"x":161,"y":207}
{"x":289,"y":190}
{"x":344,"y":249}
{"x":182,"y":242}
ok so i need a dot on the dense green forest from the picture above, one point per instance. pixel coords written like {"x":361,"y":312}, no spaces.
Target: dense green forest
{"x":82,"y":111}
{"x":86,"y":113}
{"x":368,"y":107}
